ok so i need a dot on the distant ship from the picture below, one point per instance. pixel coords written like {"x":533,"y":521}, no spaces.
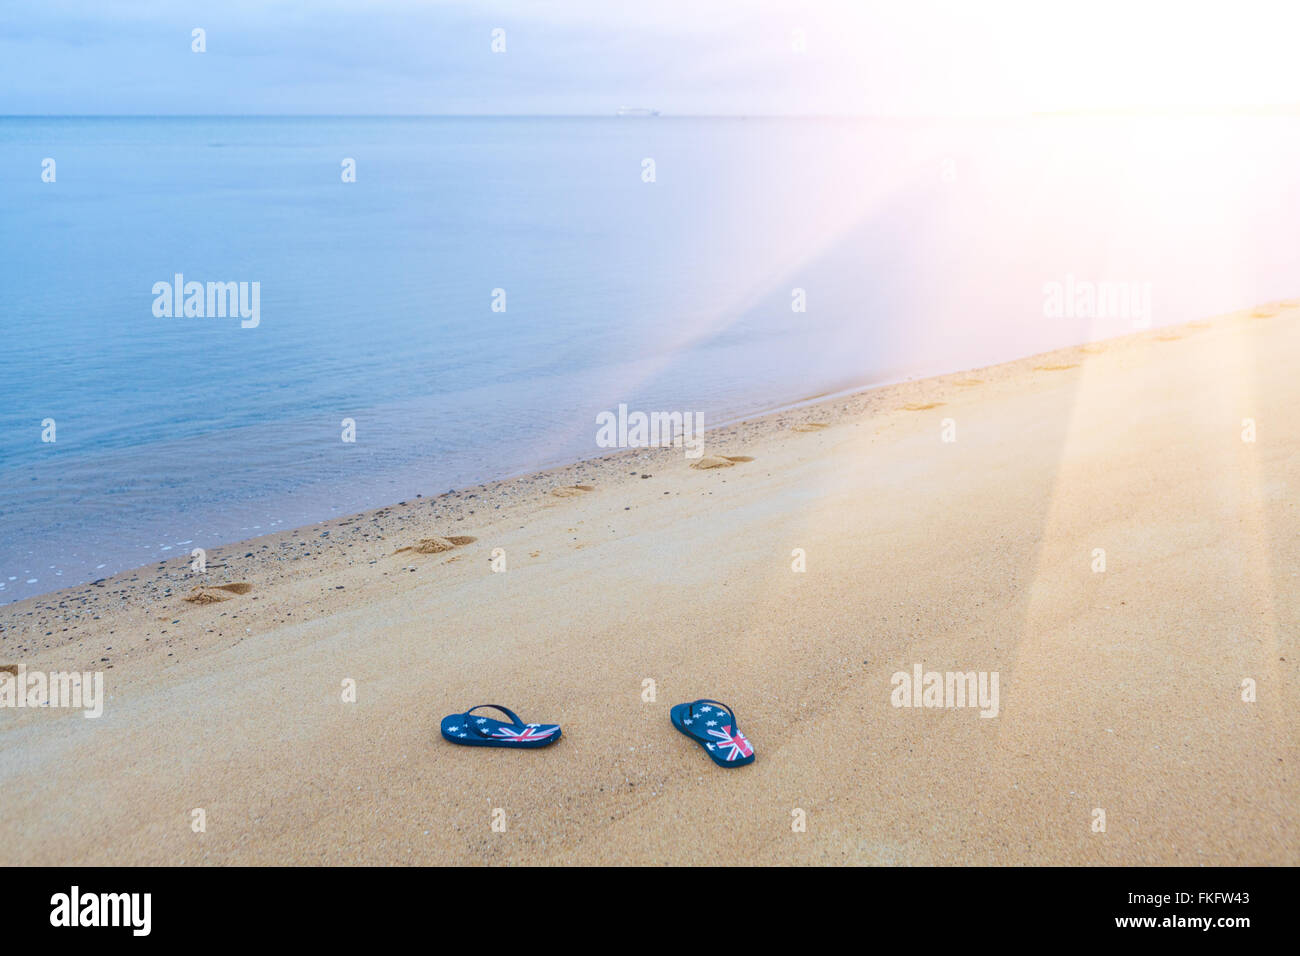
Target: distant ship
{"x":636,"y":111}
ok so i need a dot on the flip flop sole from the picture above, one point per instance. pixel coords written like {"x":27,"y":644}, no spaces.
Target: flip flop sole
{"x":717,"y":752}
{"x":511,"y":737}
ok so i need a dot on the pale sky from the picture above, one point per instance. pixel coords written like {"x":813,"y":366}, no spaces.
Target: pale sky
{"x":903,"y":57}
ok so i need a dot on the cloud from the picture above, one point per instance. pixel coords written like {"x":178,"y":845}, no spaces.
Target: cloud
{"x":681,"y":56}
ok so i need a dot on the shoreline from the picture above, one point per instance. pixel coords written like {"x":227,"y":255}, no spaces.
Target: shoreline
{"x":7,"y":599}
{"x":261,"y":558}
{"x":280,"y":525}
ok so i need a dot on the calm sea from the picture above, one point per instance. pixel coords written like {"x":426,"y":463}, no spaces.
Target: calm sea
{"x":919,"y":248}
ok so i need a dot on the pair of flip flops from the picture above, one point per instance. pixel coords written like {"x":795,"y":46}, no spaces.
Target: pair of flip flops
{"x":710,"y":723}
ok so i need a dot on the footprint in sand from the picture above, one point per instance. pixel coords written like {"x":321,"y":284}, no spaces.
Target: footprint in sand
{"x":216,"y":592}
{"x":1264,"y":312}
{"x":1092,"y":349}
{"x":1053,"y":368}
{"x":437,"y":545}
{"x":572,"y":491}
{"x":921,"y":406}
{"x":809,"y":427}
{"x":720,"y":461}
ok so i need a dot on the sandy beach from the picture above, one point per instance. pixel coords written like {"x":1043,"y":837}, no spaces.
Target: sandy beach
{"x":953,"y":523}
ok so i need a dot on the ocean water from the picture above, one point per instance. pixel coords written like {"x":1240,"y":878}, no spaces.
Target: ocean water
{"x":919,"y":247}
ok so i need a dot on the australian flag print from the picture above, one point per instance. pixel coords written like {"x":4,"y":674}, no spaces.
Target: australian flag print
{"x":714,"y":727}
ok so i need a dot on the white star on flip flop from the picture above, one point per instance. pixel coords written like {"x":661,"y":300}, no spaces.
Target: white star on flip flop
{"x":705,"y":710}
{"x":713,"y":723}
{"x":482,"y":720}
{"x":463,"y":735}
{"x":453,"y":729}
{"x":688,"y":721}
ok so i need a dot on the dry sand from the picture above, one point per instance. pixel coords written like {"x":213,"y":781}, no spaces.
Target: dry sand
{"x":1119,"y":690}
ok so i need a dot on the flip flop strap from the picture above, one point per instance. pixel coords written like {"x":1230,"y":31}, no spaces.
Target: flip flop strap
{"x":735,"y":724}
{"x":514,"y":718}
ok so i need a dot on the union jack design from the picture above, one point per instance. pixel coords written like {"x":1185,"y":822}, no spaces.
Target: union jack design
{"x":528,"y":735}
{"x":735,"y":745}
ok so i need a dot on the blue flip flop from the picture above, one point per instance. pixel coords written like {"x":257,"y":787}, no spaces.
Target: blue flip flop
{"x":473,"y":731}
{"x":712,"y":725}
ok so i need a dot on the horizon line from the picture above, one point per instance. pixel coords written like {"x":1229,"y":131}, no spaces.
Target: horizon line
{"x":1277,"y":108}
